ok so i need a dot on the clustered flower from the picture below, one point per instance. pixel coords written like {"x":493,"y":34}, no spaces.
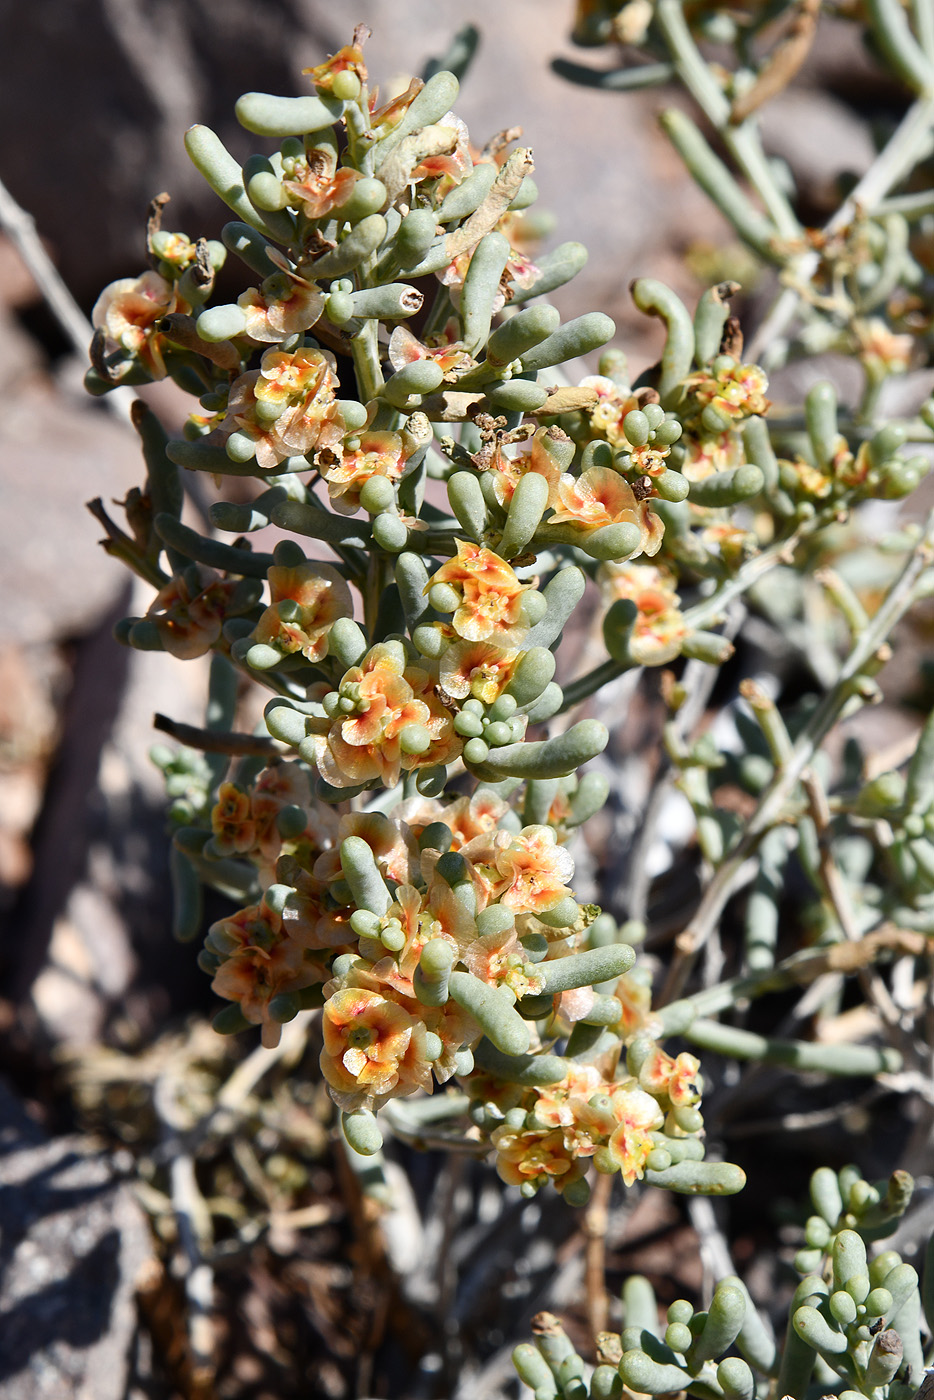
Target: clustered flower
{"x":381,"y":1040}
{"x":553,"y":1133}
{"x":419,"y":652}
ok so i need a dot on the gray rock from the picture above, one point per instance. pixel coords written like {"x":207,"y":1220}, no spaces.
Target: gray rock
{"x":72,"y":1242}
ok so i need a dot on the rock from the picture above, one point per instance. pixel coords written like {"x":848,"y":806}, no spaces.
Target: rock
{"x":72,"y":1242}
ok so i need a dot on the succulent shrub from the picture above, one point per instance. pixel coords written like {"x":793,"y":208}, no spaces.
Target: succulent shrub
{"x":435,"y":503}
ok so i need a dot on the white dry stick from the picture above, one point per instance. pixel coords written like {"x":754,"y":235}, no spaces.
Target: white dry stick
{"x":21,"y":228}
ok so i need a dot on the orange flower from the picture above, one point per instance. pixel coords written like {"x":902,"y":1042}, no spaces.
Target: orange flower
{"x":233,"y":827}
{"x":392,"y":112}
{"x":613,"y":403}
{"x":278,"y":786}
{"x":557,"y":1105}
{"x":531,"y":457}
{"x":533,"y":869}
{"x":286,"y":304}
{"x":287,"y":406}
{"x":880,"y":349}
{"x":659,"y":628}
{"x":438,"y":913}
{"x":297,"y":391}
{"x":446,"y":167}
{"x":176,"y":249}
{"x":190,"y":609}
{"x":526,"y":1155}
{"x":478,"y":669}
{"x":636,"y":999}
{"x":128,"y":310}
{"x":263,"y":962}
{"x":626,"y":1115}
{"x":306,"y":601}
{"x":637,"y":1115}
{"x":384,"y":697}
{"x":309,"y":917}
{"x":465,"y":817}
{"x":645,"y":461}
{"x":468,"y":817}
{"x":390,"y":840}
{"x":706,"y":455}
{"x":490,"y":593}
{"x":349,"y":59}
{"x":500,"y":960}
{"x":317,"y":184}
{"x":734,"y":391}
{"x":373,"y":1049}
{"x":364,"y":455}
{"x":450,"y":354}
{"x":600,"y":496}
{"x":733,"y":544}
{"x":676,"y":1080}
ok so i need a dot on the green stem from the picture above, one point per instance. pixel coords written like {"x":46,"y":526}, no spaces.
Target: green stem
{"x":741,"y":141}
{"x":357,"y":125}
{"x":892,"y":164}
{"x":708,"y":611}
{"x":773,"y":801}
{"x":365,"y":351}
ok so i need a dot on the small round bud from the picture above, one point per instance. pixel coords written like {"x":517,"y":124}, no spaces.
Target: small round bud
{"x":377,"y":495}
{"x":668,"y":431}
{"x":345,"y":86}
{"x":468,"y":725}
{"x":817,"y":1232}
{"x":443,"y":598}
{"x":414,"y":739}
{"x":390,"y":533}
{"x":364,"y":924}
{"x":678,"y":1335}
{"x":636,"y":427}
{"x":503,"y":708}
{"x":879,"y":1302}
{"x":498,"y":733}
{"x":284,"y":1007}
{"x":240,"y":447}
{"x":842,"y":1307}
{"x":858,"y":1287}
